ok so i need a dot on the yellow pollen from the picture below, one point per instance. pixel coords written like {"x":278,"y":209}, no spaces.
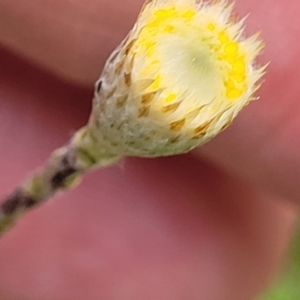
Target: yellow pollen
{"x":239,"y":66}
{"x":231,"y":48}
{"x":234,"y":93}
{"x":239,"y":78}
{"x":154,"y":24}
{"x":211,"y":26}
{"x":169,"y":29}
{"x":170,"y":98}
{"x":229,"y":84}
{"x":149,"y":51}
{"x":164,"y":13}
{"x":230,"y":59}
{"x":189,"y":14}
{"x":157,"y":82}
{"x":223,"y":37}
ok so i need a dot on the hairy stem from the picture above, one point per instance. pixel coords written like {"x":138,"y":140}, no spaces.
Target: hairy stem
{"x":62,"y":171}
{"x":58,"y":174}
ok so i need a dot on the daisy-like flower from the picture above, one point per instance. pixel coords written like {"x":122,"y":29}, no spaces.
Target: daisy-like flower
{"x":179,"y":78}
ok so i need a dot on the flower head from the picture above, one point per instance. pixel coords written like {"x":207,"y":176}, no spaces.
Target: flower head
{"x":178,"y":79}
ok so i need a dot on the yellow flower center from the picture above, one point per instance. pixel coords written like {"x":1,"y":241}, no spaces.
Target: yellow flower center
{"x":188,"y":53}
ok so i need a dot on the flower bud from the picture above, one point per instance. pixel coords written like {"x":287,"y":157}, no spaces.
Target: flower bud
{"x":179,"y":78}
